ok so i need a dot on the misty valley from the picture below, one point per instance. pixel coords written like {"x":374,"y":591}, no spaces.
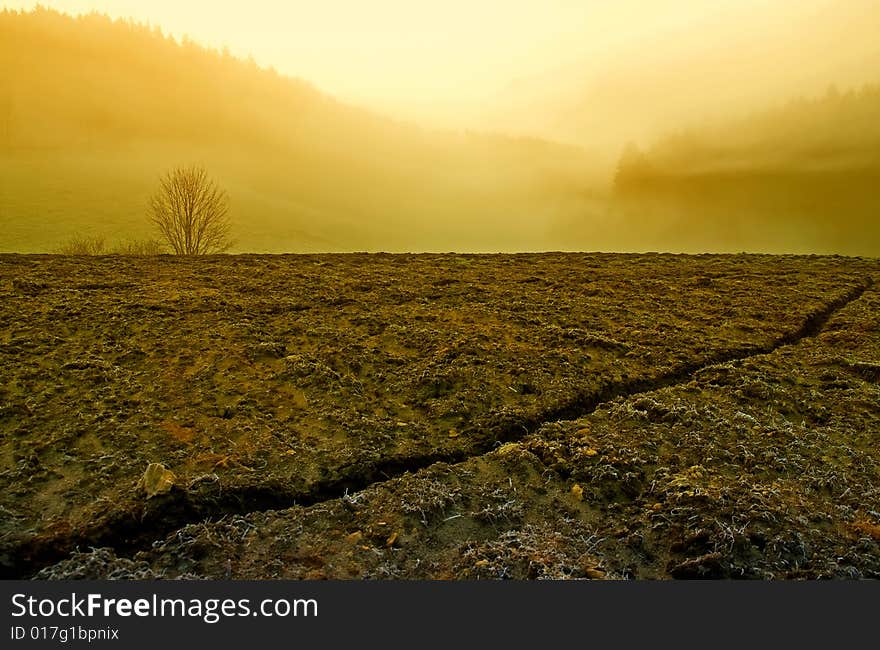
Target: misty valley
{"x":93,"y":111}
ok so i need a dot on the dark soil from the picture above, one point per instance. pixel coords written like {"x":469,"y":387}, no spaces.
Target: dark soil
{"x":440,"y":416}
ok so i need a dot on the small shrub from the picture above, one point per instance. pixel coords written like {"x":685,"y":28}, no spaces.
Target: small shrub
{"x":139,"y":247}
{"x":81,"y":245}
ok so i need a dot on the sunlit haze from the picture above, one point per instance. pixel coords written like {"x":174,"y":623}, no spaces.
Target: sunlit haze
{"x":480,"y":125}
{"x":393,"y":49}
{"x":446,"y":60}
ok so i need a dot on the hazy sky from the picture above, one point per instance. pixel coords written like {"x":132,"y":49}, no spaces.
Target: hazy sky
{"x":427,"y":50}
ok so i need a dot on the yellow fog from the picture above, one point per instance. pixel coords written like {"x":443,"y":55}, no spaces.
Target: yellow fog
{"x":453,"y":125}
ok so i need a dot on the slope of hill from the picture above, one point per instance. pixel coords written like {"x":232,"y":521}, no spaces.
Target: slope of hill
{"x":93,"y":110}
{"x":836,"y":131}
{"x":805,"y":173}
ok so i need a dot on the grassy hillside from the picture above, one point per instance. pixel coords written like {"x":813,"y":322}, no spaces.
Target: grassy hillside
{"x":805,"y":174}
{"x":92,"y":111}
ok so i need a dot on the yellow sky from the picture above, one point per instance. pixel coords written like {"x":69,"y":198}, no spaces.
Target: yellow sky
{"x":455,"y":62}
{"x":446,"y":50}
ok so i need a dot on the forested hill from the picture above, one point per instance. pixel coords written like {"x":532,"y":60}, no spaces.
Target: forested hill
{"x":800,"y":177}
{"x":839,"y":130}
{"x":92,"y":110}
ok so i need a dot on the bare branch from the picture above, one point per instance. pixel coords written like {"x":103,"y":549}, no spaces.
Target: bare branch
{"x":191,"y":212}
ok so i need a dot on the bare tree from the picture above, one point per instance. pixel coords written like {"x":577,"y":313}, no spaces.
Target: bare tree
{"x":191,"y":212}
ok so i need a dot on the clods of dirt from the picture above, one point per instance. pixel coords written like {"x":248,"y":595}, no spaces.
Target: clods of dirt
{"x":457,"y":416}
